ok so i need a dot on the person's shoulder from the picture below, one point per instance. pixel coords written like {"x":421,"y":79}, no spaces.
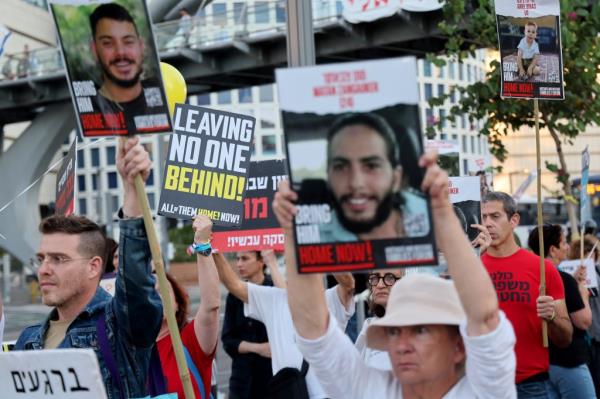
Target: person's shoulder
{"x":265,"y":290}
{"x":27,"y":335}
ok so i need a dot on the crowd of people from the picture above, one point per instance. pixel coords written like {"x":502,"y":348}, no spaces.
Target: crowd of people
{"x":475,"y":333}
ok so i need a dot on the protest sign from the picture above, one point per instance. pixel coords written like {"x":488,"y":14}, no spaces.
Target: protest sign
{"x":570,"y":266}
{"x":38,"y":374}
{"x":112,"y":66}
{"x":260,"y":228}
{"x":353,"y":143}
{"x":449,"y":155}
{"x":585,"y":207}
{"x":65,"y":183}
{"x":356,"y":11}
{"x":530,"y":48}
{"x":207,"y":165}
{"x":465,"y":196}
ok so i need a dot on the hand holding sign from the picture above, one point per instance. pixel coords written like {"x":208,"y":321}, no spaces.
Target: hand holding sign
{"x":133,"y":159}
{"x":483,"y":239}
{"x":202,"y":229}
{"x":284,"y":207}
{"x":581,"y":274}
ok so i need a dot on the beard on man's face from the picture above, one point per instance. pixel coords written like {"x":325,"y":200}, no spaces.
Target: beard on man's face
{"x":383,"y":211}
{"x":124,"y":83}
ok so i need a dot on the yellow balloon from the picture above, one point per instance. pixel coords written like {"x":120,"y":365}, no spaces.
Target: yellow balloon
{"x":175,"y":87}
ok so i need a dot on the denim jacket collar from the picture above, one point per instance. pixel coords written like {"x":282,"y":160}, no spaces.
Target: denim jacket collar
{"x":98,"y":302}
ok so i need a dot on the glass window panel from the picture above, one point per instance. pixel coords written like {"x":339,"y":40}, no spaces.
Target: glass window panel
{"x":95,"y":157}
{"x":428,"y":91}
{"x":110,"y":155}
{"x":80,"y":159}
{"x":269,"y":144}
{"x":112,"y":179}
{"x":203,"y":99}
{"x":426,"y":68}
{"x":280,"y":11}
{"x":265,"y":93}
{"x":261,"y":12}
{"x":224,"y":97}
{"x":219,"y":13}
{"x":82,"y":206}
{"x":81,"y":182}
{"x":245,"y":95}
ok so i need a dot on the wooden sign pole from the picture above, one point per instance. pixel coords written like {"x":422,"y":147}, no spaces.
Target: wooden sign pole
{"x":163,"y":286}
{"x":540,"y":217}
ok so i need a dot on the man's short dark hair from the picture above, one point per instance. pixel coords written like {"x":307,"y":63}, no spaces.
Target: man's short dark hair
{"x":375,"y":122}
{"x":110,"y":11}
{"x":508,"y":202}
{"x":92,"y":241}
{"x":552,"y":234}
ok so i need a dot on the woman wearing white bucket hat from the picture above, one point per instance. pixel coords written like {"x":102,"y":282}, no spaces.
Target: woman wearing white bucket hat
{"x":445,"y":339}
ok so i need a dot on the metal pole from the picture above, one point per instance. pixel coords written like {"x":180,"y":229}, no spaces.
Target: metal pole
{"x":300,"y":35}
{"x":6,"y":279}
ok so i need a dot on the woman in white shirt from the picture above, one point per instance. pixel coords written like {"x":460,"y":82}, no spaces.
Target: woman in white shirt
{"x":446,"y":339}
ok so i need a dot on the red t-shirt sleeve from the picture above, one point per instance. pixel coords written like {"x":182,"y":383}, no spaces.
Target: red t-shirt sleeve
{"x":202,"y":361}
{"x":554,"y":284}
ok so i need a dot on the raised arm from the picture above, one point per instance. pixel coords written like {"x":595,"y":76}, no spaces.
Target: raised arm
{"x":306,"y":294}
{"x":472,"y":281}
{"x":230,"y":280}
{"x":582,"y":318}
{"x":270,"y":259}
{"x":206,"y":321}
{"x":134,"y":289}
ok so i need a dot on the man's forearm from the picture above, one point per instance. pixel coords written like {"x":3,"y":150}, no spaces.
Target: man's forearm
{"x":131,"y":204}
{"x":207,"y":317}
{"x":472,"y":281}
{"x":248,"y":347}
{"x":230,"y":280}
{"x":560,"y":331}
{"x":136,"y":299}
{"x":306,"y":296}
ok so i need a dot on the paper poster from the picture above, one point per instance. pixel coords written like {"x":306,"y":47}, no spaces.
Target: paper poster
{"x":448,"y":154}
{"x":585,"y":208}
{"x":207,"y":165}
{"x":465,"y":196}
{"x":38,"y":374}
{"x":571,"y":266}
{"x":481,"y":167}
{"x":530,"y":49}
{"x":112,"y":66}
{"x":353,"y":143}
{"x":356,"y":11}
{"x":65,"y":183}
{"x":260,"y":228}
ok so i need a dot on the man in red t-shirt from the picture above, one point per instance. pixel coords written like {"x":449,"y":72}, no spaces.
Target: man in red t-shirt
{"x":516,"y":276}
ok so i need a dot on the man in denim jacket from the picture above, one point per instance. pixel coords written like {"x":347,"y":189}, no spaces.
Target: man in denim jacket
{"x":71,"y":263}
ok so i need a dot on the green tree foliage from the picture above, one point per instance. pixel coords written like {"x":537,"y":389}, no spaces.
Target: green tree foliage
{"x":181,"y":238}
{"x":471,"y":25}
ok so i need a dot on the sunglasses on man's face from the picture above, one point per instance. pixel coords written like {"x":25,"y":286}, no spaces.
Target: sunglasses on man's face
{"x":389,"y":279}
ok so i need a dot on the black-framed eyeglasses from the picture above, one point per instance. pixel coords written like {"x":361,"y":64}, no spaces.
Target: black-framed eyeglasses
{"x":389,"y":279}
